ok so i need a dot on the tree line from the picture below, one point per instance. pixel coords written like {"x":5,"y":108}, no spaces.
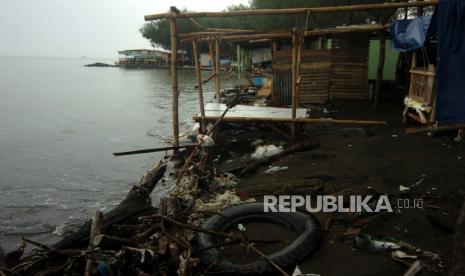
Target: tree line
{"x":158,"y":32}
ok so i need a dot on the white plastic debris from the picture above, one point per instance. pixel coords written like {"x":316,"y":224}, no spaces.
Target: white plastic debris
{"x":263,"y":152}
{"x":276,"y":169}
{"x":205,"y":141}
{"x":257,"y":142}
{"x":403,"y":189}
{"x":241,"y":227}
{"x":297,"y":272}
{"x":59,"y":230}
{"x":196,"y":127}
{"x":402,"y":255}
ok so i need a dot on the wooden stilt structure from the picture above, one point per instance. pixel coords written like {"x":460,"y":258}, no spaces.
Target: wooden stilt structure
{"x":174,"y":81}
{"x":295,"y":50}
{"x":214,"y":35}
{"x":217,"y":71}
{"x":198,"y":74}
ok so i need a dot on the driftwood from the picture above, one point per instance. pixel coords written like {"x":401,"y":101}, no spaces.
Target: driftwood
{"x":94,"y":233}
{"x":136,"y":203}
{"x":290,"y":150}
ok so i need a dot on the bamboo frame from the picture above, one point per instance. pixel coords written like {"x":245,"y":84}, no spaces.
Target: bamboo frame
{"x":174,"y":14}
{"x":293,"y":11}
{"x":287,"y":35}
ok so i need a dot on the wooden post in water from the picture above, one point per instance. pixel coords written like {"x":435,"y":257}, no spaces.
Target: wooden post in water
{"x":379,"y":77}
{"x":295,"y":49}
{"x":174,"y":81}
{"x":217,"y":71}
{"x":198,"y":73}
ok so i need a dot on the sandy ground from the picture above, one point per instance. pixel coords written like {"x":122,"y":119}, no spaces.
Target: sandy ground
{"x":368,"y":160}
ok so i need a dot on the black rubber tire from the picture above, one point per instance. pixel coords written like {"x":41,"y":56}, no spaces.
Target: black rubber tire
{"x":307,"y":241}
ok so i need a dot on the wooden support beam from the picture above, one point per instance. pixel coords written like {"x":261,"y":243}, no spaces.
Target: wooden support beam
{"x":207,"y":79}
{"x":217,"y":71}
{"x":195,"y":23}
{"x":293,"y":11}
{"x":295,"y":50}
{"x":198,"y":74}
{"x":379,"y":77}
{"x":242,"y":37}
{"x":229,"y":30}
{"x":433,"y":128}
{"x":287,"y":35}
{"x":209,"y":35}
{"x":347,"y":30}
{"x":174,"y":81}
{"x":297,"y":120}
{"x":420,"y":9}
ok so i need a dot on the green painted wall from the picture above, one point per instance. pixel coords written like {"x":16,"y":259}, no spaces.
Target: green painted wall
{"x":390,"y":64}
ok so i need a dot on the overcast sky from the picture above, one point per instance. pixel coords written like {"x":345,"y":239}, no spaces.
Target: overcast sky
{"x":75,"y":28}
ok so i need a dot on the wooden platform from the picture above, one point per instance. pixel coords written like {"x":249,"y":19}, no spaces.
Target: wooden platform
{"x":247,"y":111}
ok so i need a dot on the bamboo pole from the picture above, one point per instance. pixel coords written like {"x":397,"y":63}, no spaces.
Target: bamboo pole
{"x":242,"y":37}
{"x":348,"y":8}
{"x":207,"y":79}
{"x":212,"y":56}
{"x":295,"y":49}
{"x":217,"y":71}
{"x":190,"y":36}
{"x":347,"y":30}
{"x":229,"y":30}
{"x":283,"y":35}
{"x":198,"y":74}
{"x":379,"y":77}
{"x":433,"y":128}
{"x":290,"y":120}
{"x":174,"y":81}
{"x":195,"y":23}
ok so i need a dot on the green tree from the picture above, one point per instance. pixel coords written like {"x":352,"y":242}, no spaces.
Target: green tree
{"x":159,"y":34}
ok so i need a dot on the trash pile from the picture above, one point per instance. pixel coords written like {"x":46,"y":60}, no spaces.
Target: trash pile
{"x":136,"y":238}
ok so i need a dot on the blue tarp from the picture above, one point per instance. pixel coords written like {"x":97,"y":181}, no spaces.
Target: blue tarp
{"x":450,"y":96}
{"x":410,"y":34}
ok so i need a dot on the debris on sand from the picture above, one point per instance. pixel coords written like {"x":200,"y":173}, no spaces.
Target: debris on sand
{"x":263,"y":152}
{"x":367,"y":243}
{"x":273,"y":169}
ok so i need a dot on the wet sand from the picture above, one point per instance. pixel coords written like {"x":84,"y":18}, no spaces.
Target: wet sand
{"x":367,"y":160}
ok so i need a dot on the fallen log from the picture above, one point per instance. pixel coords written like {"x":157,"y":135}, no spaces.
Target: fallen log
{"x":288,"y":151}
{"x":136,"y":203}
{"x":94,"y":233}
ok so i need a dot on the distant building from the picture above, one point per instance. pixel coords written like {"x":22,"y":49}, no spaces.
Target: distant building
{"x":143,"y":58}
